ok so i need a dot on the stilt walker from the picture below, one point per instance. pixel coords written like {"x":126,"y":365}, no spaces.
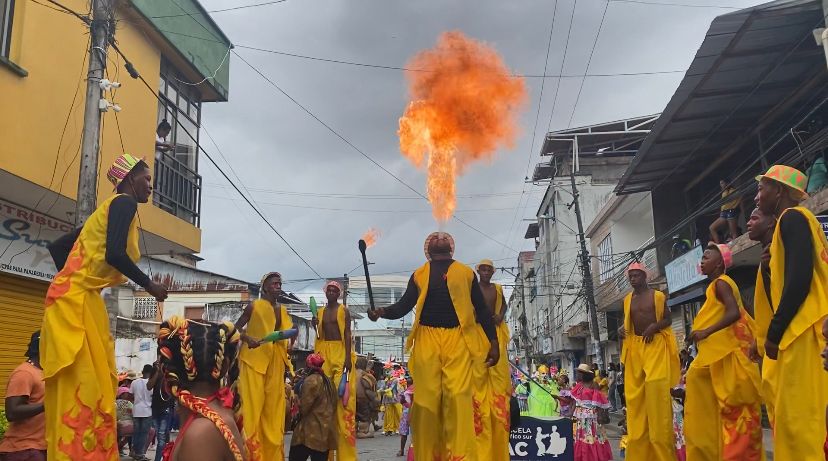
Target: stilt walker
{"x":444,"y":347}
{"x":799,"y":300}
{"x":262,"y":372}
{"x":77,"y":351}
{"x":334,"y":343}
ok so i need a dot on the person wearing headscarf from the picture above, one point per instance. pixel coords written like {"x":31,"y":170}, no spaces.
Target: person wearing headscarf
{"x":722,"y":412}
{"x":315,"y":434}
{"x":797,"y":290}
{"x":445,"y":345}
{"x":651,"y":362}
{"x":263,"y":366}
{"x":77,"y":351}
{"x":334,"y":343}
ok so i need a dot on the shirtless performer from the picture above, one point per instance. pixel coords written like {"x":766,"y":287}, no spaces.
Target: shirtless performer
{"x":651,"y":368}
{"x":496,"y":382}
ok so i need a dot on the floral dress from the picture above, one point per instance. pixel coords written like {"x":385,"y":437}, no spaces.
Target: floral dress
{"x":591,"y":442}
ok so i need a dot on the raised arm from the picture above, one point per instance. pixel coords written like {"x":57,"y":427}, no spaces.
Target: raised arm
{"x":402,"y":307}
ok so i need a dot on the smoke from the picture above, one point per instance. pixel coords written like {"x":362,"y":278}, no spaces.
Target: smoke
{"x":464,"y":105}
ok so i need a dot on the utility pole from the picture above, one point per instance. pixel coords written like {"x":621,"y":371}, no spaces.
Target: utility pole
{"x":101,"y":28}
{"x":528,"y":364}
{"x":585,"y":268}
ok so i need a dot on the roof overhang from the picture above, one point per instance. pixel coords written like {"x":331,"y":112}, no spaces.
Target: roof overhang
{"x":751,"y":62}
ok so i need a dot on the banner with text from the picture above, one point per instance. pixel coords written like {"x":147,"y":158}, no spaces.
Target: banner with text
{"x":542,"y":439}
{"x":24,"y":236}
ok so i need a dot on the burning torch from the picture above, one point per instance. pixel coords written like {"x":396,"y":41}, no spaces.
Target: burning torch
{"x":362,"y":247}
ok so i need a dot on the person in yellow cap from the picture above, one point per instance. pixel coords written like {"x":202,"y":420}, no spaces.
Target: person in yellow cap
{"x":262,"y":372}
{"x":722,"y":410}
{"x":493,"y":386}
{"x":445,"y":346}
{"x":651,"y":367}
{"x":77,"y":351}
{"x":798,"y":291}
{"x":335,"y":345}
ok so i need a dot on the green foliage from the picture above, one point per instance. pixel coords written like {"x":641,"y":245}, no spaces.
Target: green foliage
{"x":4,"y":424}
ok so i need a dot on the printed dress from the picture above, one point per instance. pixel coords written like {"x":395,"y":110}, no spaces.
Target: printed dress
{"x":591,"y":442}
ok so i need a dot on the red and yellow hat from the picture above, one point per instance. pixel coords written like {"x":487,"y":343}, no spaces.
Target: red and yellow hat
{"x":122,"y":166}
{"x":788,"y":176}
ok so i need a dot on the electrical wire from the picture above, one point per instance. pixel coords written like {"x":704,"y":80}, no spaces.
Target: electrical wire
{"x":589,"y":62}
{"x":222,"y":10}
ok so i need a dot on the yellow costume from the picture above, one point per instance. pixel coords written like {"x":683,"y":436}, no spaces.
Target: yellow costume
{"x":262,"y":383}
{"x":442,"y":361}
{"x":799,"y":424}
{"x":334,"y":353}
{"x":500,"y":382}
{"x":391,"y":420}
{"x":77,"y":351}
{"x":723,"y":407}
{"x":763,"y":313}
{"x":650,"y":370}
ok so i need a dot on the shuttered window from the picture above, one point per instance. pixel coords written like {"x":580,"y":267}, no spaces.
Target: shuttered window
{"x":21,"y":313}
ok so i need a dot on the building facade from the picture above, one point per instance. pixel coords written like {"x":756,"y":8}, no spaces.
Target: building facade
{"x":43,"y":64}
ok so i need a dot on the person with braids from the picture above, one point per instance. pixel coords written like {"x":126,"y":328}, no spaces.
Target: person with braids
{"x":77,"y":350}
{"x":334,"y":344}
{"x":199,"y":362}
{"x":315,"y":434}
{"x":263,"y":366}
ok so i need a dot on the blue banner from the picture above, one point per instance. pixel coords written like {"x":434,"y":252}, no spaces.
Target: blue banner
{"x":542,"y":439}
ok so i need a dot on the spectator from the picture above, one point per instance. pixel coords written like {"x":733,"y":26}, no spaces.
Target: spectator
{"x":25,"y":438}
{"x":316,"y":431}
{"x":613,"y":386}
{"x":406,"y":399}
{"x":728,"y":215}
{"x":141,"y":413}
{"x":161,"y":133}
{"x":163,"y":405}
{"x":619,"y":387}
{"x":603,"y":382}
{"x":817,"y":175}
{"x":123,"y":410}
{"x":680,"y":246}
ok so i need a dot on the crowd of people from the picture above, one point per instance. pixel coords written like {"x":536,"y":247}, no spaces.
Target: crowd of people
{"x":226,"y":382}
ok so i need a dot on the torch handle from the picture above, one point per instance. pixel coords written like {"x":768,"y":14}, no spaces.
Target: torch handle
{"x":367,"y":277}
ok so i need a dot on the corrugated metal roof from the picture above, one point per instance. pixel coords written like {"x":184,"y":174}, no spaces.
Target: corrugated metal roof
{"x":749,"y":62}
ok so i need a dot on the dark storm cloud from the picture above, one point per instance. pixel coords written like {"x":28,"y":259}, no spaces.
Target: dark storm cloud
{"x":274,"y":145}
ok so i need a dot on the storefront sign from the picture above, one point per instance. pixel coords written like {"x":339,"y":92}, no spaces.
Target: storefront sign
{"x":542,"y":439}
{"x":684,"y":270}
{"x":24,"y":236}
{"x":823,"y":220}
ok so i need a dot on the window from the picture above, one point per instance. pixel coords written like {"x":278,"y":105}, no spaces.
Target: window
{"x":194,"y":312}
{"x":6,"y":14}
{"x":177,"y":182}
{"x":605,"y":258}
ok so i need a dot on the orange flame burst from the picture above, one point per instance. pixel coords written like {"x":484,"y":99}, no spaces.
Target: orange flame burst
{"x":464,"y":105}
{"x":371,"y":236}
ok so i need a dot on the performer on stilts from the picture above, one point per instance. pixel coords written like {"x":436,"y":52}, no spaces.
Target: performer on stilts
{"x":444,"y":346}
{"x":77,"y":350}
{"x":262,"y":372}
{"x":334,"y":343}
{"x":722,"y":411}
{"x":799,"y":300}
{"x":494,"y":438}
{"x":651,"y":367}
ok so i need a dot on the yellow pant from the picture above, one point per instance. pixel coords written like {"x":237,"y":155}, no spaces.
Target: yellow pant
{"x":722,"y":412}
{"x":334,"y":354}
{"x":799,"y":409}
{"x":482,"y":400}
{"x":263,"y":409}
{"x":500,"y":381}
{"x":648,"y":377}
{"x":442,"y":418}
{"x":80,"y":397}
{"x":391,"y":420}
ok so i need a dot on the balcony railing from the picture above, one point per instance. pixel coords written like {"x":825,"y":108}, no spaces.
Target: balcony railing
{"x":177,"y":189}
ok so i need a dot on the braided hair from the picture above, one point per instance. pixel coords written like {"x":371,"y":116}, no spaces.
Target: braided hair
{"x":201,"y":352}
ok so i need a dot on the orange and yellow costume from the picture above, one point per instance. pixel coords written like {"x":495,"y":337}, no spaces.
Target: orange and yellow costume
{"x":77,"y":351}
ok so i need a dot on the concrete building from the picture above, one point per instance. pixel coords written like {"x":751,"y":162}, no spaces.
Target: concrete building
{"x":43,"y":55}
{"x":385,"y":338}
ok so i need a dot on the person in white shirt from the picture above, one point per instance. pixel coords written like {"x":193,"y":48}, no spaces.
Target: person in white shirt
{"x":141,"y":414}
{"x":161,"y":133}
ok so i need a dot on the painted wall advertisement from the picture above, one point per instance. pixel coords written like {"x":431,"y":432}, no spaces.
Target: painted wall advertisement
{"x":542,"y":439}
{"x":24,"y":236}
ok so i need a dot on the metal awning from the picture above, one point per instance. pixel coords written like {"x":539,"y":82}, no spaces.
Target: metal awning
{"x":532,"y":231}
{"x":750,"y":62}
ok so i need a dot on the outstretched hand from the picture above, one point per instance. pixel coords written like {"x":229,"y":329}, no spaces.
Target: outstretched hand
{"x":375,"y":314}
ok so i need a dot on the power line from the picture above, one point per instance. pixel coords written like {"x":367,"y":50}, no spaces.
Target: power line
{"x":684,"y":5}
{"x":222,"y":10}
{"x":589,"y":62}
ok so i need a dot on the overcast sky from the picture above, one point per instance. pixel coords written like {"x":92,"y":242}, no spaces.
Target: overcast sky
{"x":275,"y":147}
